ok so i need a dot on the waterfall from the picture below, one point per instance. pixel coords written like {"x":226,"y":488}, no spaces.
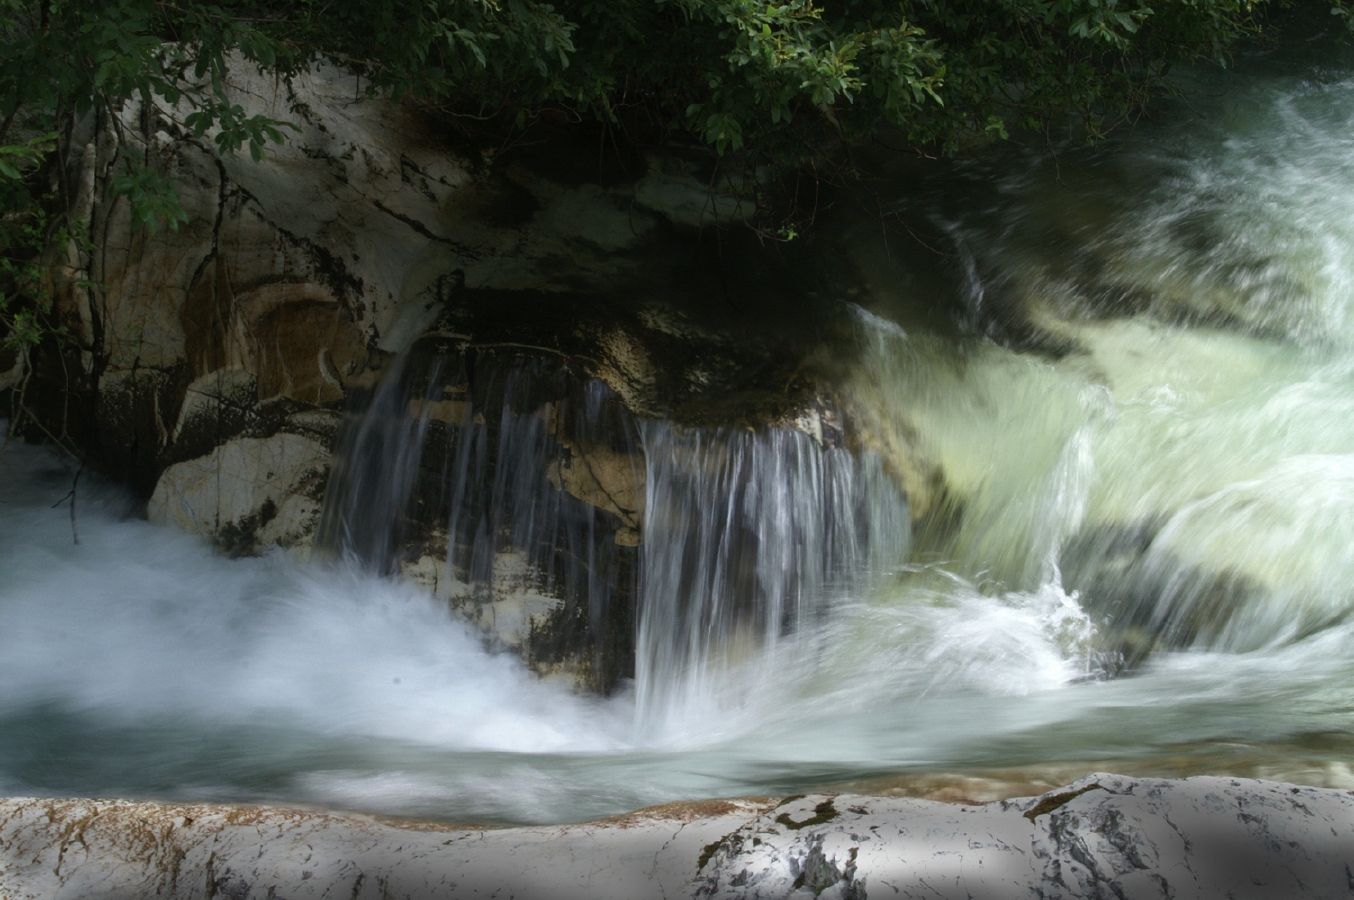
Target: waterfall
{"x":505,"y":485}
{"x":749,"y":539}
{"x":378,"y":456}
{"x":531,"y":487}
{"x":1120,"y":407}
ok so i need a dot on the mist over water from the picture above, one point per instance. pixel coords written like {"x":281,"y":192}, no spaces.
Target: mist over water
{"x":1150,"y":570}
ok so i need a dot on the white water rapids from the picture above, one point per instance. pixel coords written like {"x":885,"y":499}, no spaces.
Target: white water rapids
{"x":1182,"y":484}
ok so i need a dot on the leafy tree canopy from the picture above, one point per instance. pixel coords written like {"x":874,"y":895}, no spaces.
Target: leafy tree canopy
{"x":738,"y":74}
{"x":777,"y":81}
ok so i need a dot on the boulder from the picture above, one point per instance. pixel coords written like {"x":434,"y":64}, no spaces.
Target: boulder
{"x":248,"y":492}
{"x":1102,"y":836}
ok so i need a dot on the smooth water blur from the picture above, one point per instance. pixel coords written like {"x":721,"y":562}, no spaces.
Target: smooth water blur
{"x":1186,"y":453}
{"x":140,"y":663}
{"x":752,"y":540}
{"x":1145,"y":565}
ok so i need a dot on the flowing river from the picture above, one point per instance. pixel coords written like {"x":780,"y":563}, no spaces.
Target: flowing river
{"x":1145,"y":421}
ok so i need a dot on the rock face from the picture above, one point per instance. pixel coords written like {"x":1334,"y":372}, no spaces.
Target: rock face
{"x":212,"y":366}
{"x":513,"y":490}
{"x":294,"y":281}
{"x":1104,"y":836}
{"x":247,"y":492}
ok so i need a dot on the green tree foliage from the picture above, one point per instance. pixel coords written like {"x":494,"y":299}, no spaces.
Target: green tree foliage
{"x":778,"y":77}
{"x":774,"y":78}
{"x":777,"y":82}
{"x":737,"y":74}
{"x":22,"y":233}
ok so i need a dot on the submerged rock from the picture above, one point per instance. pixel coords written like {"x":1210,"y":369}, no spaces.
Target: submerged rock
{"x":1102,"y":836}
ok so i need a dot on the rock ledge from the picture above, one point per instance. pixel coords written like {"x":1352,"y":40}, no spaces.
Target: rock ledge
{"x":1103,"y":836}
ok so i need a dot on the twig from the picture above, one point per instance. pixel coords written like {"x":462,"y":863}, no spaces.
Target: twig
{"x":55,"y":440}
{"x":75,"y":485}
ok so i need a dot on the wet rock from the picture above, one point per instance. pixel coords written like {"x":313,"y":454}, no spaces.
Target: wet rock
{"x":248,"y":492}
{"x":296,"y":280}
{"x":1103,"y":836}
{"x":611,"y":480}
{"x":1145,"y":597}
{"x":512,"y":489}
{"x":216,"y":407}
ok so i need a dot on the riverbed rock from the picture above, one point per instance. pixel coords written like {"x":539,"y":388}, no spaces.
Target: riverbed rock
{"x":1101,"y":837}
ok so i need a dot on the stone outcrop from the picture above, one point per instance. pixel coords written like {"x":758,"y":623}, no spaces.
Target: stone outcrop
{"x":1103,"y":836}
{"x":294,"y":281}
{"x":608,"y":479}
{"x":211,"y":366}
{"x":247,"y":492}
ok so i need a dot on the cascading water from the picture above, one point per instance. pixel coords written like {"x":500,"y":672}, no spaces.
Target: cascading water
{"x":1180,"y":455}
{"x":750,"y":537}
{"x":514,"y":485}
{"x":1133,"y":554}
{"x":746,"y":535}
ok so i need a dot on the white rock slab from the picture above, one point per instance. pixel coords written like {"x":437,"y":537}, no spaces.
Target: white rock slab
{"x":1105,"y":836}
{"x":269,"y":487}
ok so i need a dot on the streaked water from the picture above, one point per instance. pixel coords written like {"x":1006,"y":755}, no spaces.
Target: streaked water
{"x":1146,"y":566}
{"x":754,"y":542}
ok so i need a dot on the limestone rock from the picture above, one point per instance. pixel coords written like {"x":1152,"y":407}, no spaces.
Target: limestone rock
{"x":506,"y":610}
{"x":1104,"y":836}
{"x":248,"y":492}
{"x":607,"y":479}
{"x":294,"y":280}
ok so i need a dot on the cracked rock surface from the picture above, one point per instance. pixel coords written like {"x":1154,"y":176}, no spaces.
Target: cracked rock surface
{"x":1105,"y":836}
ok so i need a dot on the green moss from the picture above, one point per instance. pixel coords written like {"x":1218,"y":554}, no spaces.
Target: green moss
{"x":822,"y":813}
{"x":712,"y":848}
{"x":1054,"y":801}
